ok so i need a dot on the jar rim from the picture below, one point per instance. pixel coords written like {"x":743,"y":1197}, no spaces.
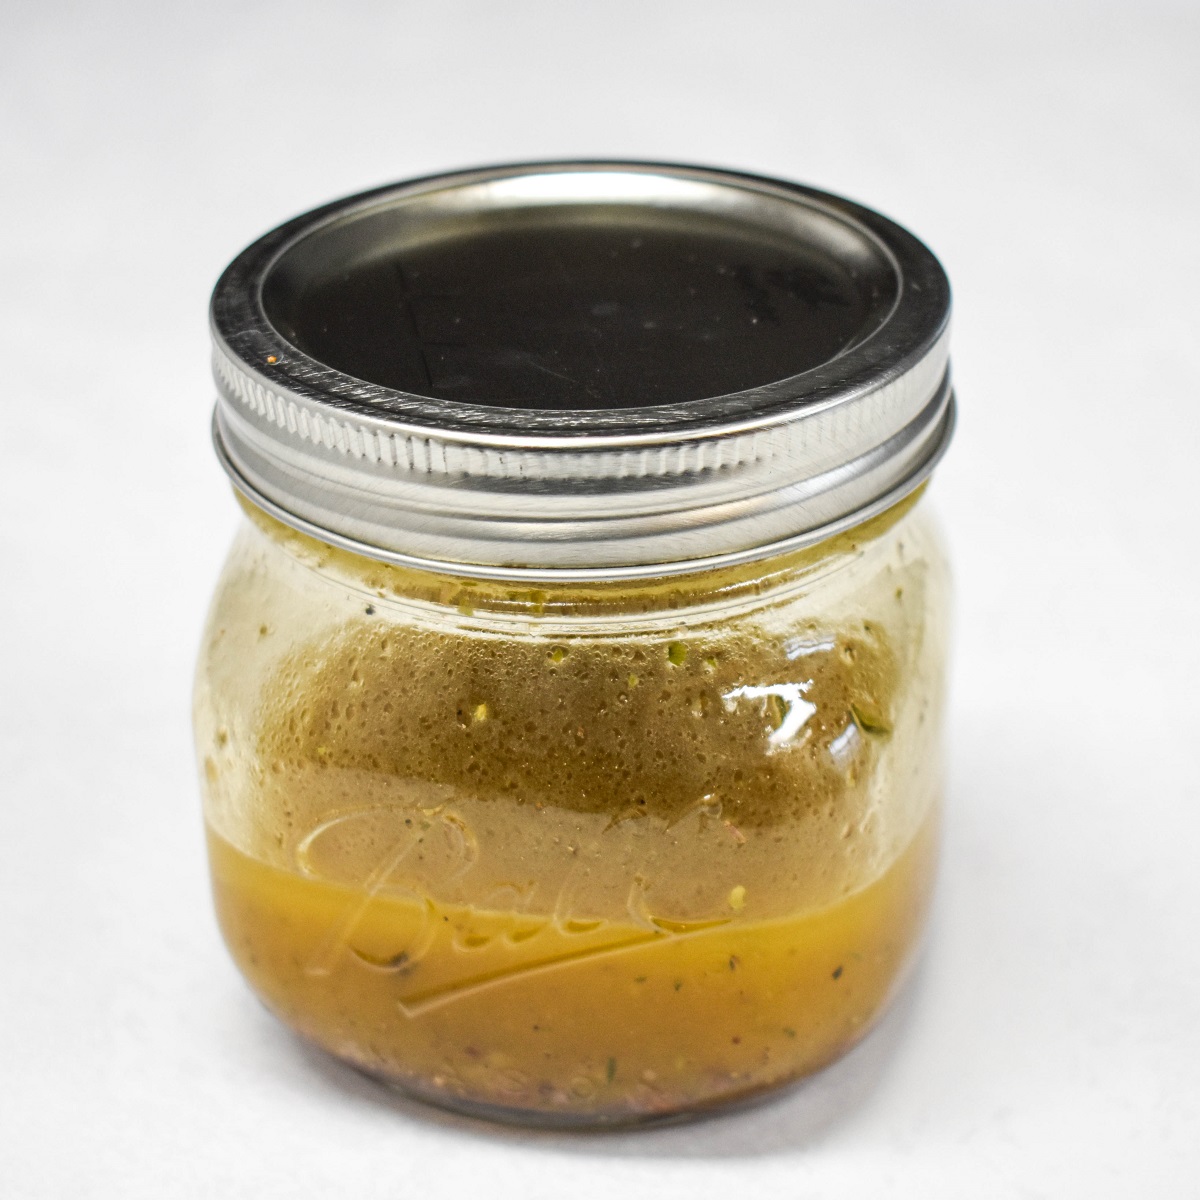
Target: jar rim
{"x":482,"y":488}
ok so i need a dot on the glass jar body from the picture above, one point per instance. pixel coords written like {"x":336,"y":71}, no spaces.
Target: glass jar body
{"x":580,"y":854}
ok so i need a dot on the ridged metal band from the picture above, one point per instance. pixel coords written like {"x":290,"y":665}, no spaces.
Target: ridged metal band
{"x":499,"y":492}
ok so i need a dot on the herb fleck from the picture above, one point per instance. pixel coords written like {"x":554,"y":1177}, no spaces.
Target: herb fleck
{"x":611,"y":1072}
{"x":870,"y":722}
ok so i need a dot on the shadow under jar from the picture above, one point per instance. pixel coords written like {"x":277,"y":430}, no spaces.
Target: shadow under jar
{"x":569,"y":709}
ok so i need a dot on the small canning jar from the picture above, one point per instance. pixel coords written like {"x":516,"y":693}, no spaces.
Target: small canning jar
{"x":569,"y":709}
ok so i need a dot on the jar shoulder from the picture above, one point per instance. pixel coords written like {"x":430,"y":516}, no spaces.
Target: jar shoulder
{"x":796,"y":709}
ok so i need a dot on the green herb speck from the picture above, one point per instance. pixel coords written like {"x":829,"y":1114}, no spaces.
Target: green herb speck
{"x":870,"y":722}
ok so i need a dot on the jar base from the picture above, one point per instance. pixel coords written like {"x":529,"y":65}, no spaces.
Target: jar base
{"x":526,"y":1118}
{"x":570,"y":1122}
{"x":597,"y":1121}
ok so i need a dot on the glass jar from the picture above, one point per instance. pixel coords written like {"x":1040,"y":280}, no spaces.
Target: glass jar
{"x":568,"y":712}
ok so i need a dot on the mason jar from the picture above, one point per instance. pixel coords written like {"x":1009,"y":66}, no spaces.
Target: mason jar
{"x":568,"y":712}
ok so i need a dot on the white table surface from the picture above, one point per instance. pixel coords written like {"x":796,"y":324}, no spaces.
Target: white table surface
{"x":1050,"y":1043}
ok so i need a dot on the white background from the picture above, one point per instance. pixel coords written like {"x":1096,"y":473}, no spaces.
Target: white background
{"x":1050,"y":154}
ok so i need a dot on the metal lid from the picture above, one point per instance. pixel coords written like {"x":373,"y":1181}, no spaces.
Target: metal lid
{"x":581,"y":370}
